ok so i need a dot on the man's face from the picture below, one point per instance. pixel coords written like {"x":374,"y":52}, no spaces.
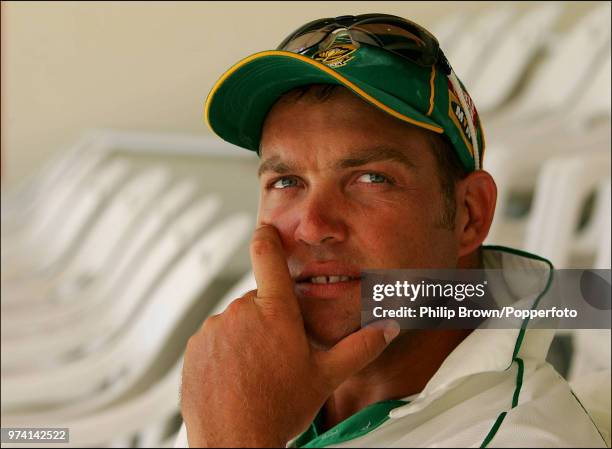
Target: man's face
{"x":349,"y":188}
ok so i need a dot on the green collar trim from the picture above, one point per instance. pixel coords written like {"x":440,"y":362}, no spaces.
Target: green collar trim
{"x":518,"y":252}
{"x":519,"y":341}
{"x":354,"y":426}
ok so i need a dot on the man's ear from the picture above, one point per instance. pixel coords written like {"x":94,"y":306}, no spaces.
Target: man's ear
{"x":476,"y":198}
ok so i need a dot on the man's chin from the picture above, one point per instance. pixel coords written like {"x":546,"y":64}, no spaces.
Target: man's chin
{"x":327,"y":321}
{"x":325,"y":336}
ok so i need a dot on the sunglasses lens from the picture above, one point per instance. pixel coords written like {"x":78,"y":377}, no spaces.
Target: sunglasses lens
{"x":305,"y":41}
{"x":405,"y":39}
{"x":319,"y":25}
{"x":394,"y":34}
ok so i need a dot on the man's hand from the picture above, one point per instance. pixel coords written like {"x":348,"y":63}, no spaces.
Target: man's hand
{"x":250,"y":376}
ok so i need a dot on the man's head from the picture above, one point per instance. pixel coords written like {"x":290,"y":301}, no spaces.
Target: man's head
{"x":392,"y":63}
{"x":371,"y":153}
{"x":349,"y":187}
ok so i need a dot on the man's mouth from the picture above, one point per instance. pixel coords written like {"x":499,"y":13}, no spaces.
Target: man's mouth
{"x":329,"y":279}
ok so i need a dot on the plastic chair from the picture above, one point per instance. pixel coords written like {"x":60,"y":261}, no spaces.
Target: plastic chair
{"x":104,"y":316}
{"x":590,"y":241}
{"x":561,"y":190}
{"x":595,"y":100}
{"x":36,"y":192}
{"x":516,"y":168}
{"x":448,"y":30}
{"x":116,"y":423}
{"x":603,"y":258}
{"x":515,"y":161}
{"x":496,"y":77}
{"x":102,"y":244}
{"x":40,"y":254}
{"x":119,"y":365}
{"x":477,"y":42}
{"x":118,"y":272}
{"x":28,"y":188}
{"x":588,"y":107}
{"x":558,"y":78}
{"x":50,"y":213}
{"x":143,"y":414}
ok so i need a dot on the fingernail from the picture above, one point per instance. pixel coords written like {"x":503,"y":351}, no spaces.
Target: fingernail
{"x":391,"y":329}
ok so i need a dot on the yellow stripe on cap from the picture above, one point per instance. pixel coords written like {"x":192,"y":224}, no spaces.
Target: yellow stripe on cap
{"x":432,"y":88}
{"x":323,"y":68}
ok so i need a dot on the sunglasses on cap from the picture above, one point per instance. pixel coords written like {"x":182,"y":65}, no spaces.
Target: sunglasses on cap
{"x":390,"y":33}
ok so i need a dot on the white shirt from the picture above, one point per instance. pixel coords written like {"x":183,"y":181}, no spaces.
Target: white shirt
{"x":495,"y":389}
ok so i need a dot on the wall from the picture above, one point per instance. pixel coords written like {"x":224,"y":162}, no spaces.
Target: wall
{"x":72,"y":66}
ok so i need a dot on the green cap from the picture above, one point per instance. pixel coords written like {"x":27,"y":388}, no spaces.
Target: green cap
{"x":426,"y":97}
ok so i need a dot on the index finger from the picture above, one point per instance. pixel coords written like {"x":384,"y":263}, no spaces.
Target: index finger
{"x":274,"y":283}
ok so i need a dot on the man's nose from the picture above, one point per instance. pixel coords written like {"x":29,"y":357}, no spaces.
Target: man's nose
{"x":321,"y":220}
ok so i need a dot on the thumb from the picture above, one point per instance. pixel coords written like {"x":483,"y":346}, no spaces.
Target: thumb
{"x":358,"y":349}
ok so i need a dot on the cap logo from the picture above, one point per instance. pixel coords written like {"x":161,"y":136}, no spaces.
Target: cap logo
{"x":336,"y":56}
{"x":458,"y":115}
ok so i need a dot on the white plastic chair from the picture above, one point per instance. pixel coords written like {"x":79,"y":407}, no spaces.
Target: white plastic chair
{"x":117,"y":423}
{"x":103,"y":317}
{"x":586,"y":110}
{"x":573,"y":130}
{"x":590,"y":241}
{"x":495,"y":78}
{"x":143,"y":414}
{"x":40,"y":253}
{"x":48,"y":211}
{"x":516,"y":168}
{"x":121,"y":272}
{"x":448,"y":29}
{"x":119,"y":365}
{"x":102,"y":245}
{"x":27,"y":189}
{"x":573,"y":57}
{"x":477,"y":41}
{"x":36,"y":192}
{"x":595,"y":101}
{"x":515,"y":161}
{"x":561,"y":190}
{"x":604,"y":259}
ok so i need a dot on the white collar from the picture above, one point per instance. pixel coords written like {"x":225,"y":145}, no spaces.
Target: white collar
{"x":486,"y":350}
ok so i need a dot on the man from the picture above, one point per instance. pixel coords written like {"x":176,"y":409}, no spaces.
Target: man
{"x":371,"y":154}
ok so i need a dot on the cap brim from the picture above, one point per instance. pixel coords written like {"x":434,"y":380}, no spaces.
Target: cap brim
{"x":240,"y":100}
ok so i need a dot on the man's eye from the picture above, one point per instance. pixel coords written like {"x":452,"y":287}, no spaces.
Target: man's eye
{"x":373,"y":178}
{"x":284,"y":183}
